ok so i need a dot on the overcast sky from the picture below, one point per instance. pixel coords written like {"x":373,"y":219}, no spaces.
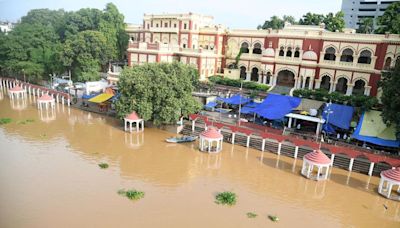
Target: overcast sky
{"x":232,"y":13}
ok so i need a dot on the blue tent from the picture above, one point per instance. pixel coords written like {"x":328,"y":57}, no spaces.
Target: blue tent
{"x":210,"y":105}
{"x":339,"y":116}
{"x":373,"y":140}
{"x":236,"y":100}
{"x":249,"y":107}
{"x":276,"y":106}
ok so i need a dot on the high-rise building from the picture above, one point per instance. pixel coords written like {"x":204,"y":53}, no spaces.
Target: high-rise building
{"x":355,"y":10}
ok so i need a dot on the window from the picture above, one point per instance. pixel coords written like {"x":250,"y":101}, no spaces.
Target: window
{"x":184,"y":45}
{"x":282,"y":52}
{"x":244,"y":47}
{"x":157,"y":25}
{"x":257,"y":48}
{"x":359,"y":87}
{"x":347,"y":55}
{"x":297,"y":53}
{"x":184,"y":26}
{"x":388,"y":63}
{"x":330,"y":54}
{"x":367,"y":10}
{"x":165,"y":24}
{"x":368,"y":3}
{"x":289,"y":52}
{"x":148,"y":26}
{"x":174,"y":25}
{"x":365,"y":57}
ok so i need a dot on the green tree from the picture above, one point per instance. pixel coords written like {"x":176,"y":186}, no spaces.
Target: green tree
{"x":390,"y":20}
{"x":311,"y":19}
{"x":390,"y":99}
{"x":275,"y":23}
{"x":289,"y":19}
{"x":158,"y":92}
{"x":334,"y":22}
{"x":366,"y":26}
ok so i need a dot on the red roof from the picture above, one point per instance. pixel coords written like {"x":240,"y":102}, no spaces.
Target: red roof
{"x":211,"y":133}
{"x":45,"y":97}
{"x":16,"y":88}
{"x":318,"y":157}
{"x":132,"y":116}
{"x":393,"y":174}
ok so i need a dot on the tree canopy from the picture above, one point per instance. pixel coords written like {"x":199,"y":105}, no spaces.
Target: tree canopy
{"x":54,"y":41}
{"x":390,"y":20}
{"x":366,"y":26}
{"x":332,"y":21}
{"x":158,"y":92}
{"x":390,"y":99}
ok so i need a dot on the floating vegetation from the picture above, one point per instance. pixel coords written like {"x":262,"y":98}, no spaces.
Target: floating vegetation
{"x":5,"y":121}
{"x":273,"y":218}
{"x":131,"y":194}
{"x":226,"y":198}
{"x":251,"y":215}
{"x":43,"y":135}
{"x":103,"y":165}
{"x":25,"y":121}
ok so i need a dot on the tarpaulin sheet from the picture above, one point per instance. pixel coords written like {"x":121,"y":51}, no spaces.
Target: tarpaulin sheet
{"x":276,"y":106}
{"x":85,"y":96}
{"x":371,"y":139}
{"x":249,"y":107}
{"x":211,"y":105}
{"x":101,"y":98}
{"x":236,"y":100}
{"x":374,"y":126}
{"x":339,"y":115}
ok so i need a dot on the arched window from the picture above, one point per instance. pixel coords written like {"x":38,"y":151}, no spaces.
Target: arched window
{"x":325,"y":82}
{"x":341,"y":85}
{"x":282,"y":51}
{"x":388,"y":63}
{"x":231,"y":66}
{"x":398,"y":61}
{"x":347,"y":55}
{"x":297,"y":53}
{"x":245,"y":47}
{"x":257,"y":48}
{"x":307,"y":83}
{"x":254,"y":74}
{"x":289,"y":52}
{"x":365,"y":57}
{"x":243,"y":72}
{"x":268,"y":80}
{"x":330,"y":54}
{"x":359,"y":87}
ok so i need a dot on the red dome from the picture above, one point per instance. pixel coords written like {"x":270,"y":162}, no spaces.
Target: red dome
{"x":211,"y":133}
{"x":16,"y":88}
{"x":132,"y":116}
{"x":318,"y":157}
{"x":45,"y":97}
{"x":393,"y":174}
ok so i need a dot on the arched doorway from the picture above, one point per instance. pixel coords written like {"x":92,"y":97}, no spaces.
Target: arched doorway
{"x":359,"y":87}
{"x":341,"y":85}
{"x":325,"y":82}
{"x":268,"y":79}
{"x":388,"y":63}
{"x":285,"y":78}
{"x":243,"y":72}
{"x":307,"y":83}
{"x":254,"y":74}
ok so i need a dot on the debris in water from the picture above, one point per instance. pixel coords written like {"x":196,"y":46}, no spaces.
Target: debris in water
{"x":273,"y":218}
{"x":131,"y":194}
{"x":251,"y":215}
{"x":25,"y":121}
{"x":103,"y":165}
{"x":5,"y":121}
{"x":385,"y":206}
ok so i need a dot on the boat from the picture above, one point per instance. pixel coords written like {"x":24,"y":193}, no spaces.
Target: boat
{"x":182,"y":139}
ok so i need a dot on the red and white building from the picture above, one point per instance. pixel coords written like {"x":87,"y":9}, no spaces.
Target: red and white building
{"x":293,"y":57}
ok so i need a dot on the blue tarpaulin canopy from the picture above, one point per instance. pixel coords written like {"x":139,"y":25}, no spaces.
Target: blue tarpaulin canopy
{"x":210,"y":105}
{"x":249,"y":107}
{"x":339,"y":116}
{"x":236,"y":100}
{"x":276,"y":106}
{"x":87,"y":97}
{"x":371,"y":139}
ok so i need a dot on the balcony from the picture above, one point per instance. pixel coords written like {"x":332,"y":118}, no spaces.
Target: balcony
{"x":164,"y":29}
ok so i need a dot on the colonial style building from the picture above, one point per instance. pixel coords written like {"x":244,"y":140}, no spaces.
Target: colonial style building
{"x":293,"y":57}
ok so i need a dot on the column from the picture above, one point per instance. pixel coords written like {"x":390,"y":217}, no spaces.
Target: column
{"x":332,"y":87}
{"x":303,"y":84}
{"x":310,"y":85}
{"x":124,"y":125}
{"x":264,"y":80}
{"x":351,"y":164}
{"x":193,"y":125}
{"x":279,"y":148}
{"x":290,"y":122}
{"x":371,"y":168}
{"x":248,"y":141}
{"x":263,"y":145}
{"x":233,"y":137}
{"x":349,"y":89}
{"x":248,"y":75}
{"x":367,"y":90}
{"x":332,"y":159}
{"x":296,"y":152}
{"x":318,"y":129}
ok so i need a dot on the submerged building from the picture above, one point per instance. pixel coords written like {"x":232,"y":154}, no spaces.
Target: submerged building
{"x":293,"y":57}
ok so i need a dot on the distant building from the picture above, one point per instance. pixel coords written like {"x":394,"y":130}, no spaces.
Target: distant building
{"x":355,"y":10}
{"x":297,"y":56}
{"x":6,"y":27}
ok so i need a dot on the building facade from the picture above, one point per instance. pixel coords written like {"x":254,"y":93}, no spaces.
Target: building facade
{"x":296,"y":56}
{"x":355,"y":10}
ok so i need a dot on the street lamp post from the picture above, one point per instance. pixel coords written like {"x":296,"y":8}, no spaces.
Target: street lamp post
{"x":240,"y":100}
{"x":328,"y":112}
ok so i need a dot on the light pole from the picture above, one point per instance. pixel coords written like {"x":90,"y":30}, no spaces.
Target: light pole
{"x":328,"y":112}
{"x":23,"y":72}
{"x":240,"y":100}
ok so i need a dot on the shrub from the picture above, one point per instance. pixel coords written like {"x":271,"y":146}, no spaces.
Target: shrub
{"x":236,"y":83}
{"x":103,"y":165}
{"x":131,"y":194}
{"x":228,"y":198}
{"x":251,"y":215}
{"x":273,"y":218}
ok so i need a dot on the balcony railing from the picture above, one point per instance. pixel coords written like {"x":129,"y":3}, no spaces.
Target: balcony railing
{"x":164,"y":29}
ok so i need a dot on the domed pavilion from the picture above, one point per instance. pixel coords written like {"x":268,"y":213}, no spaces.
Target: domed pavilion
{"x":131,"y":119}
{"x":211,"y":140}
{"x":389,"y":179}
{"x":316,"y":160}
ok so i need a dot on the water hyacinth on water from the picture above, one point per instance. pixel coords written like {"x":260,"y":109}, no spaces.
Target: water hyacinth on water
{"x":251,"y":215}
{"x":103,"y":165}
{"x":25,"y":121}
{"x":5,"y":121}
{"x":131,"y":194}
{"x":273,"y":218}
{"x":226,"y":198}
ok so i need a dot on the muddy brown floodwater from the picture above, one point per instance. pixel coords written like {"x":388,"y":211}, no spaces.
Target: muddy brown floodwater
{"x":49,"y":177}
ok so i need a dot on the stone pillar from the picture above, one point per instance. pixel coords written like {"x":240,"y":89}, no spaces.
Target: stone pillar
{"x":303,"y":85}
{"x":349,"y":89}
{"x":233,"y":137}
{"x":351,"y":164}
{"x":311,"y":84}
{"x":333,"y":87}
{"x":264,"y":79}
{"x":317,"y":84}
{"x":248,"y":75}
{"x":332,"y":159}
{"x":296,"y":152}
{"x":193,"y":125}
{"x":279,"y":148}
{"x":371,"y":168}
{"x":263,"y":145}
{"x":248,"y":141}
{"x":367,"y":90}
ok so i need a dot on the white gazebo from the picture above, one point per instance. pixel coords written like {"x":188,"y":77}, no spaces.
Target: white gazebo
{"x":16,"y":92}
{"x":390,"y":178}
{"x":208,"y":138}
{"x":46,"y":101}
{"x":133,"y":118}
{"x":319,"y":160}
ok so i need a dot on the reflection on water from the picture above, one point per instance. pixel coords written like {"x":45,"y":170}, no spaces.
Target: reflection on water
{"x":48,"y":169}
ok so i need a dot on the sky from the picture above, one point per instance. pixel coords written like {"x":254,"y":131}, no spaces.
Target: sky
{"x":232,"y":13}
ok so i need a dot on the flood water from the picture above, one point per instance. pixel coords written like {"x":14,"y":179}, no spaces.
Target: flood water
{"x":49,"y":177}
